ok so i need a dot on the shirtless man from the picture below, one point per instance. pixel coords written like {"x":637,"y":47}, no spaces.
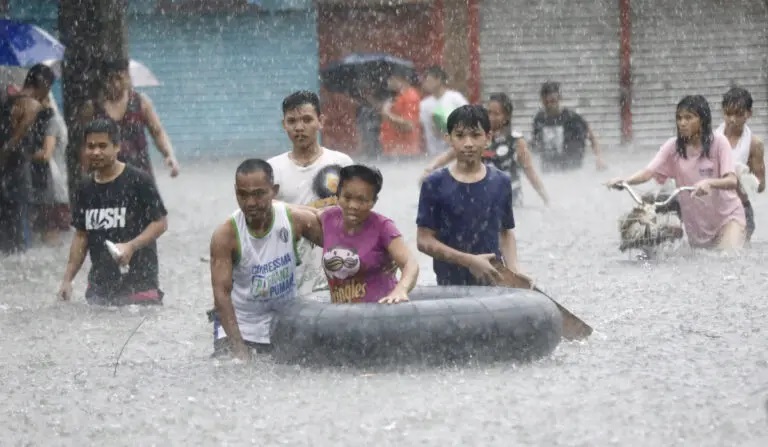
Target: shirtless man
{"x":253,"y":261}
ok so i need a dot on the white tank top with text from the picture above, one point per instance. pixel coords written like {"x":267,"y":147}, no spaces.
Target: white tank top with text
{"x":264,"y":276}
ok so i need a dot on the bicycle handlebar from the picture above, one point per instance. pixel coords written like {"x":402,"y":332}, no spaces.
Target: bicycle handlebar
{"x":636,"y":198}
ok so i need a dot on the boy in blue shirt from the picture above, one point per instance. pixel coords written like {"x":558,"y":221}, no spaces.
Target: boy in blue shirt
{"x":465,"y":218}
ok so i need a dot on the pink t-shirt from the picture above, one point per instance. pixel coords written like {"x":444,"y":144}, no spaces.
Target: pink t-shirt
{"x":358,"y":266}
{"x":704,"y":216}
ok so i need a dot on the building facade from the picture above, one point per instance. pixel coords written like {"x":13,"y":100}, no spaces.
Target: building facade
{"x":223,"y":75}
{"x":624,"y":64}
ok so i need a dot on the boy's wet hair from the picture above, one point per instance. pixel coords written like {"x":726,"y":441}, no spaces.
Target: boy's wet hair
{"x":699,"y":106}
{"x":104,"y":125}
{"x":548,"y":88}
{"x":39,"y":76}
{"x":469,"y":117}
{"x":300,"y":98}
{"x":368,"y":174}
{"x":738,"y":98}
{"x":252,"y":165}
{"x":437,"y":72}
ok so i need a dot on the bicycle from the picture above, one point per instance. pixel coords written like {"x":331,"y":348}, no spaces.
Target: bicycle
{"x":653,"y":223}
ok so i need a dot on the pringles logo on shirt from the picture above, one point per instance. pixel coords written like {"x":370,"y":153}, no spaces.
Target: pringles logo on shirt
{"x":352,"y":292}
{"x":342,"y":265}
{"x":325,"y":185}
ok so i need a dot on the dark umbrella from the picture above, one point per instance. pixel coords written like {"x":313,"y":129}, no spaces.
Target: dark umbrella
{"x":359,"y":71}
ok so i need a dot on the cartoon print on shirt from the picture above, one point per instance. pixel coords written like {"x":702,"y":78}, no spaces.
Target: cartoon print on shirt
{"x":324,"y":185}
{"x":341,"y":262}
{"x":345,"y":277}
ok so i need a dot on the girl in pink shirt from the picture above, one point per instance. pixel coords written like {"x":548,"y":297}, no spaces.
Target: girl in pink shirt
{"x":360,"y":245}
{"x":712,"y":214}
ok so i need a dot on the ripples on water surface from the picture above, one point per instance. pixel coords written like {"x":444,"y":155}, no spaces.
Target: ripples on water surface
{"x":679,"y":356}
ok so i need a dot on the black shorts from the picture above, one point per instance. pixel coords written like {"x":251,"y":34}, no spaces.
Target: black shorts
{"x":222,"y":347}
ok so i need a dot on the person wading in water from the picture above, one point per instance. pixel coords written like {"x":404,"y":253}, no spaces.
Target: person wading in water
{"x":748,"y":149}
{"x":253,"y":261}
{"x":308,"y":175}
{"x":18,"y":114}
{"x":507,"y":151}
{"x":118,"y":204}
{"x":133,"y":112}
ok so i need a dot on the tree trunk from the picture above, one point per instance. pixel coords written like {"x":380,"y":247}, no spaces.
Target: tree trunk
{"x":93,"y":31}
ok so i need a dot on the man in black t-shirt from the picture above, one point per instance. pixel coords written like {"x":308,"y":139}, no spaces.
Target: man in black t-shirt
{"x":559,"y":135}
{"x":120,"y":204}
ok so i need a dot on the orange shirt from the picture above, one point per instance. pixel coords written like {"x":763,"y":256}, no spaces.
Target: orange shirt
{"x":398,"y":142}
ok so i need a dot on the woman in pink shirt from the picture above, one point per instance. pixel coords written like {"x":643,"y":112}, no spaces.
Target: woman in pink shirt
{"x":360,"y":245}
{"x":712,"y":214}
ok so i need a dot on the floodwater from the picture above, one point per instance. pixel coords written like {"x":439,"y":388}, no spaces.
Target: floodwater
{"x":678,"y":357}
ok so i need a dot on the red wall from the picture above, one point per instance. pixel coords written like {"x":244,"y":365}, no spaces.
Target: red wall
{"x":413,"y":32}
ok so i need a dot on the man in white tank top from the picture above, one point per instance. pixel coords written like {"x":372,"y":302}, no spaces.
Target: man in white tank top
{"x":307,"y":175}
{"x":748,"y":149}
{"x":253,"y":261}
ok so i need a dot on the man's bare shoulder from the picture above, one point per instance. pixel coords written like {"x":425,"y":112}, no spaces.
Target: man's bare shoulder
{"x":224,"y":234}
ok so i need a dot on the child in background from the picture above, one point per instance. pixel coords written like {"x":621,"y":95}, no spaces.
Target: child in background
{"x":748,"y":149}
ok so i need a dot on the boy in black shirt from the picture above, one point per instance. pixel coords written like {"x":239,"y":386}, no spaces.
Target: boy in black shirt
{"x":120,"y":204}
{"x":559,"y":135}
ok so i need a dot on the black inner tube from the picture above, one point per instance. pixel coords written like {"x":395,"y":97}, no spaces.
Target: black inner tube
{"x":441,"y":325}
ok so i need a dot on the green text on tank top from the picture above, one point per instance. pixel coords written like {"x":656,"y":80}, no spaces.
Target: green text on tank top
{"x":264,"y":264}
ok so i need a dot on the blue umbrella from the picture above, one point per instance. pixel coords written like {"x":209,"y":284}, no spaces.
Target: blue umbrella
{"x":24,"y":44}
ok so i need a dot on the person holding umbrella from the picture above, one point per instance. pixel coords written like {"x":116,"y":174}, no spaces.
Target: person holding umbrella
{"x":134,"y":112}
{"x":400,"y":126}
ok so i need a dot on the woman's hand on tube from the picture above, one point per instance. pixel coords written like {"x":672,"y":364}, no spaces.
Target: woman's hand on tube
{"x":398,"y":295}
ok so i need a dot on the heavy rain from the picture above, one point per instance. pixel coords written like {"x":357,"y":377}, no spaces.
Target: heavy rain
{"x":123,"y":124}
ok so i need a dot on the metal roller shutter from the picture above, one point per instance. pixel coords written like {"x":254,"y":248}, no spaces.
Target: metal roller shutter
{"x":524,"y":43}
{"x":681,"y":49}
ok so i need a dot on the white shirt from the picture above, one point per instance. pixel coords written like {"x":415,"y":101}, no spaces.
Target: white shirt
{"x":311,"y":186}
{"x":450,"y":101}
